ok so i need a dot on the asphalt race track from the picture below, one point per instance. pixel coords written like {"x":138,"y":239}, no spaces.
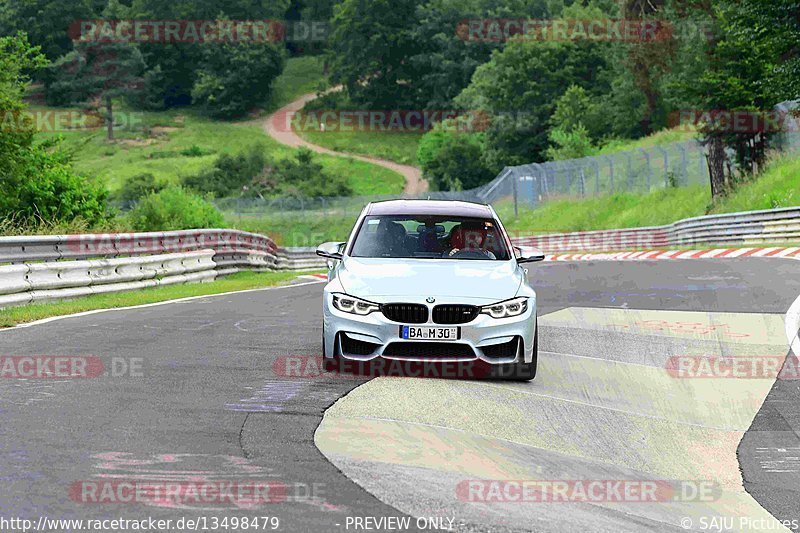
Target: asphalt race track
{"x":203,"y":392}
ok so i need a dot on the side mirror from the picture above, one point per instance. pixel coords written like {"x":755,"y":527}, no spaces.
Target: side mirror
{"x":331,"y":250}
{"x":527,"y":254}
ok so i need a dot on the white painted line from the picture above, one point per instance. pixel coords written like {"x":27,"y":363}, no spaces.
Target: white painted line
{"x":792,"y":327}
{"x":154,"y":304}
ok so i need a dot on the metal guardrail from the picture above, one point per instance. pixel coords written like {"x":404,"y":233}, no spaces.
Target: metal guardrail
{"x":773,"y":226}
{"x":51,"y":267}
{"x":37,"y":282}
{"x":67,"y":266}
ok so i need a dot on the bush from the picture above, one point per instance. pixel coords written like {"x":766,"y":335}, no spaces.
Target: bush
{"x":174,"y":208}
{"x":135,"y":187}
{"x":571,"y":144}
{"x":234,"y":78}
{"x":42,"y":186}
{"x":301,"y":176}
{"x":453,"y":160}
{"x":230,"y":173}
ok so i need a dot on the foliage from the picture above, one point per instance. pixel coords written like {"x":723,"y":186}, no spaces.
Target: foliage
{"x":451,"y":160}
{"x":37,"y":181}
{"x":569,"y":144}
{"x":370,"y":44}
{"x":46,"y":21}
{"x":138,"y":186}
{"x":93,"y":75}
{"x":44,"y":186}
{"x":230,"y":174}
{"x":234,"y":78}
{"x":301,"y":176}
{"x":174,"y":208}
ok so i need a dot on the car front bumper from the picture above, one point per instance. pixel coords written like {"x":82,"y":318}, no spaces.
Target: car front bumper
{"x":493,"y":341}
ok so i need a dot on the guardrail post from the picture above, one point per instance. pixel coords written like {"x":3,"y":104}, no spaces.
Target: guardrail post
{"x":649,"y":168}
{"x":514,"y":179}
{"x":665,"y":156}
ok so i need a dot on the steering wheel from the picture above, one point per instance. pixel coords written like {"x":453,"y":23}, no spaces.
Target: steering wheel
{"x":472,"y":254}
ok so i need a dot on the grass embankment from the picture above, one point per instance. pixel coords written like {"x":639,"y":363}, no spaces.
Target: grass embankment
{"x":779,"y":186}
{"x":302,"y":75}
{"x":237,"y":282}
{"x":393,"y":146}
{"x":181,"y":142}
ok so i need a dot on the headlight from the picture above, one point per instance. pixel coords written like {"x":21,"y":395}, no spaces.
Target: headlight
{"x":353,"y":305}
{"x":506,"y":309}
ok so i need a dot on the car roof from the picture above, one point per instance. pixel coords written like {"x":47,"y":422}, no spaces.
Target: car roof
{"x":429,"y":207}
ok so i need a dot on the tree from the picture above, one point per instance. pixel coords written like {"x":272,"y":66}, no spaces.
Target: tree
{"x":370,"y":46}
{"x":648,"y":61}
{"x":37,"y":181}
{"x":94,"y":74}
{"x":173,"y":69}
{"x":752,"y":64}
{"x":234,"y":78}
{"x":46,"y":22}
{"x":520,"y":85}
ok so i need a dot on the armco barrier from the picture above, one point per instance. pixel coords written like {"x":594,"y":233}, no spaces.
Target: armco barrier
{"x":773,"y":226}
{"x":34,"y":282}
{"x":41,"y":268}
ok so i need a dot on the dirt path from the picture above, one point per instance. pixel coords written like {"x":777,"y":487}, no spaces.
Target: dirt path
{"x":278,"y":127}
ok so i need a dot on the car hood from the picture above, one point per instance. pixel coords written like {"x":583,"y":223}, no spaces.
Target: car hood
{"x":382,"y":280}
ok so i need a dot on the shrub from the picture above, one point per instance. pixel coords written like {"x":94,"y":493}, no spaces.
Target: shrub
{"x":233,"y":78}
{"x":572,"y":144}
{"x":301,"y":176}
{"x":137,"y":186}
{"x":174,"y":208}
{"x":230,"y":173}
{"x":41,"y":185}
{"x":453,"y":160}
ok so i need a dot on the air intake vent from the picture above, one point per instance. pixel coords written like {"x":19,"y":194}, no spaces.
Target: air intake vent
{"x":454,"y":314}
{"x":406,"y":313}
{"x":428,"y":350}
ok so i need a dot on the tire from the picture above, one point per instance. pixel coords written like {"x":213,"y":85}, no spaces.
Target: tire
{"x":522,"y":371}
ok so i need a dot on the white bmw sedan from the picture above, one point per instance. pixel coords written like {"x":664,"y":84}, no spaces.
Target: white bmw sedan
{"x":430,"y":281}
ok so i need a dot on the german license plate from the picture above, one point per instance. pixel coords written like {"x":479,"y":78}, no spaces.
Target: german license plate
{"x":427,"y":333}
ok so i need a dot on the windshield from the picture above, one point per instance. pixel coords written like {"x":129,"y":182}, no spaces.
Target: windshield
{"x":430,"y":237}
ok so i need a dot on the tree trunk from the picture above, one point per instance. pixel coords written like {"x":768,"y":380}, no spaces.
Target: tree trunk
{"x":109,"y":119}
{"x":716,"y":166}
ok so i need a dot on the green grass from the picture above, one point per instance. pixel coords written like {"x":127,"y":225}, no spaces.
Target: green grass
{"x":778,"y":186}
{"x":181,"y":142}
{"x":237,"y":282}
{"x":607,"y":212}
{"x":302,"y":75}
{"x":300,"y":230}
{"x":170,"y":133}
{"x":393,"y":146}
{"x":661,"y":137}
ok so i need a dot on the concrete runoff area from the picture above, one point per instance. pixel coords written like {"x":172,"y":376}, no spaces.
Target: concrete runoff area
{"x":595,"y":412}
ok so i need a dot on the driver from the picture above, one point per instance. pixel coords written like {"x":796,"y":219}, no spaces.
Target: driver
{"x":470,"y":237}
